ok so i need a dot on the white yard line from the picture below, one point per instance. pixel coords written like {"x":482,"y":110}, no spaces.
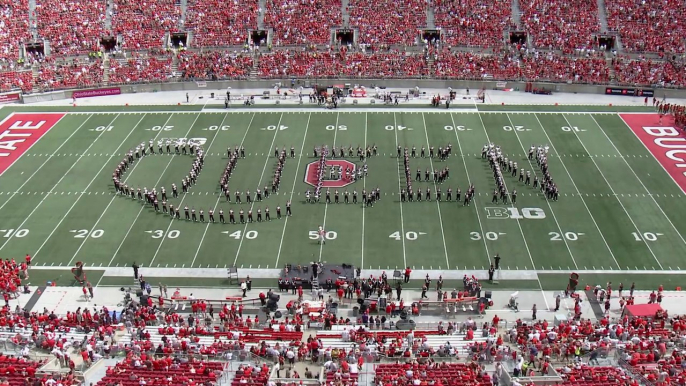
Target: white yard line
{"x":578,"y":192}
{"x":259,"y":183}
{"x":219,"y":196}
{"x":295,"y":179}
{"x":364,"y":187}
{"x":400,"y":171}
{"x":636,"y":175}
{"x":46,"y":161}
{"x":438,"y":204}
{"x":57,"y":183}
{"x":534,"y":171}
{"x":469,"y":181}
{"x":171,"y":220}
{"x":113,"y":198}
{"x":519,"y":224}
{"x":326,"y":204}
{"x":171,"y":158}
{"x":615,"y":193}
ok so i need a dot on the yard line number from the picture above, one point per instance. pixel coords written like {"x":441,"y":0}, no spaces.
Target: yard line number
{"x":84,"y":233}
{"x":647,"y":236}
{"x":339,"y":127}
{"x":572,"y":128}
{"x":515,"y":128}
{"x":492,"y":236}
{"x":14,"y":232}
{"x":160,"y":233}
{"x":161,"y":128}
{"x":103,"y":128}
{"x":217,"y":128}
{"x":458,"y":128}
{"x":329,"y":235}
{"x":559,"y":236}
{"x":250,"y":235}
{"x":410,"y":235}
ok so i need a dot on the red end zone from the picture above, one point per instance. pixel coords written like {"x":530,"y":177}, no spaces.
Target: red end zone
{"x":664,"y":141}
{"x":20,"y":131}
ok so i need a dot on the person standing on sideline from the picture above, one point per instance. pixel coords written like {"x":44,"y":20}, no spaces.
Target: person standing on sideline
{"x":187,"y":99}
{"x":244,"y":287}
{"x":496,"y":258}
{"x":491,"y":272}
{"x":557,"y":303}
{"x":533,"y":312}
{"x":408,"y":271}
{"x":135,"y":270}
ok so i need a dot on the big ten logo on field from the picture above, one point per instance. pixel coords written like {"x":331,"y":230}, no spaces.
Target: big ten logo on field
{"x":500,"y":213}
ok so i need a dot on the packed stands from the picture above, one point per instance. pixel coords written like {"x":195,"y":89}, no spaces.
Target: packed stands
{"x":140,"y":70}
{"x":330,"y":64}
{"x":647,"y":72}
{"x":167,"y":370}
{"x":448,"y":374}
{"x":302,"y":22}
{"x":651,"y":26}
{"x":212,"y":65}
{"x":387,"y":22}
{"x":462,"y":65}
{"x":73,"y":27}
{"x":220,"y":23}
{"x":282,"y":64}
{"x":14,"y":27}
{"x":10,"y":80}
{"x":18,"y":371}
{"x":74,"y":73}
{"x":478,"y":23}
{"x":143,"y":25}
{"x":383,"y":65}
{"x":554,"y":68}
{"x":594,"y":375}
{"x":568,"y":25}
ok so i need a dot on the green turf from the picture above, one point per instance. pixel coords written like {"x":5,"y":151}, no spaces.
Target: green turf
{"x":590,"y":228}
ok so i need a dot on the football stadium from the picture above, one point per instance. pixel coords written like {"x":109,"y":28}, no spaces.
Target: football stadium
{"x":287,"y":193}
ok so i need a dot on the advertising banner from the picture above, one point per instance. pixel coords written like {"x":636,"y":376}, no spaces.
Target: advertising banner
{"x":97,"y":92}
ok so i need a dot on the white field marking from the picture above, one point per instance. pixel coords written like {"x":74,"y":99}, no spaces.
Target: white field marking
{"x":259,"y":183}
{"x":639,"y":180}
{"x":364,"y":187}
{"x":578,"y":192}
{"x":57,"y":183}
{"x":469,"y":181}
{"x":438,"y":205}
{"x":531,"y":167}
{"x":519,"y":224}
{"x":115,"y":194}
{"x":613,"y":192}
{"x":82,"y":193}
{"x":219,"y":196}
{"x":402,"y":218}
{"x":295,"y":179}
{"x":126,"y":235}
{"x":171,"y":221}
{"x":326,"y":204}
{"x":46,"y":161}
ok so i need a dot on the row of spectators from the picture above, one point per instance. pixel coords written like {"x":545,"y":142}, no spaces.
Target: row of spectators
{"x":75,"y":27}
{"x":535,"y":66}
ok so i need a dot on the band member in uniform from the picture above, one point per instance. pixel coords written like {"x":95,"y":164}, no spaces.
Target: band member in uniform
{"x":195,"y":218}
{"x":221,"y":216}
{"x":288,"y":208}
{"x":202,"y":216}
{"x":354,"y":196}
{"x":514,"y":196}
{"x":241,"y":215}
{"x":528,"y":178}
{"x":335,"y":197}
{"x":346,"y":197}
{"x":402,"y":195}
{"x":171,"y":210}
{"x":292,"y":152}
{"x":250,"y":215}
{"x":259,"y":215}
{"x":248,"y":198}
{"x":175,"y":192}
{"x":238,"y":197}
{"x":266,"y":214}
{"x":185,"y":209}
{"x":258,"y":192}
{"x":232,"y":218}
{"x":495,"y":196}
{"x":278,"y":212}
{"x":164,"y":207}
{"x":211,"y":213}
{"x":418,"y":177}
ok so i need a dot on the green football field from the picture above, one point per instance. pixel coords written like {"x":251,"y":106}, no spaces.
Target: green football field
{"x":618,"y":209}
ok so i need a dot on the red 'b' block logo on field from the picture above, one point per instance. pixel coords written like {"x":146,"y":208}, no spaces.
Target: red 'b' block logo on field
{"x":311,"y":175}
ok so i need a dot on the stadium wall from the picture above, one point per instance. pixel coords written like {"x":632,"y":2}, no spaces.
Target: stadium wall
{"x":474,"y":86}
